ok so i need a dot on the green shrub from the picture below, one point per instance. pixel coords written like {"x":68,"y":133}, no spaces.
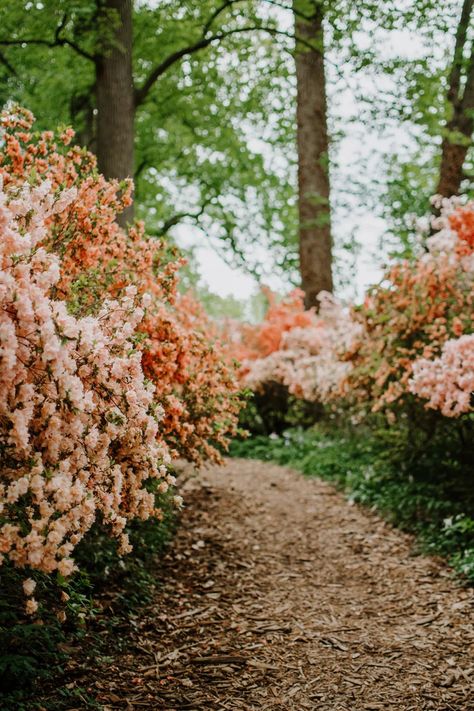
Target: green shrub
{"x":272,"y":410}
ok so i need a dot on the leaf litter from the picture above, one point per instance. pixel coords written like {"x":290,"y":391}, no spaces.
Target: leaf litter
{"x":276,"y":594}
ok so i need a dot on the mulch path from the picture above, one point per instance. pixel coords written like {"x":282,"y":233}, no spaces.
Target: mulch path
{"x":278,"y":594}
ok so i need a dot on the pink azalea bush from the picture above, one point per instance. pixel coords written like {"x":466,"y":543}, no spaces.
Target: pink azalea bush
{"x":447,"y":382}
{"x":418,"y":307}
{"x":78,"y":426}
{"x":195,"y":384}
{"x":106,"y":371}
{"x":400,"y":342}
{"x":308,"y":359}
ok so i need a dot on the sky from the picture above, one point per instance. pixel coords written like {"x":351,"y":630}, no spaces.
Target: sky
{"x":226,"y":280}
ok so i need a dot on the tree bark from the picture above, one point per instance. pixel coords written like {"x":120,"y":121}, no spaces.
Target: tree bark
{"x":315,"y":243}
{"x":458,"y":136}
{"x":115,"y":98}
{"x":453,"y":156}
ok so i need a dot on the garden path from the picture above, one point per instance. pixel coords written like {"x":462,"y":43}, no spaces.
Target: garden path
{"x":278,"y":594}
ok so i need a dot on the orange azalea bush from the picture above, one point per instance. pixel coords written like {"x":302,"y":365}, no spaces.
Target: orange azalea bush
{"x":78,"y":423}
{"x":397,"y":344}
{"x":96,"y":255}
{"x":297,"y":348}
{"x":194,"y":381}
{"x":416,"y":309}
{"x":106,"y":371}
{"x":253,"y":341}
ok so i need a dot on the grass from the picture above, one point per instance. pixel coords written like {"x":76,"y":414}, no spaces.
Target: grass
{"x":428,"y":495}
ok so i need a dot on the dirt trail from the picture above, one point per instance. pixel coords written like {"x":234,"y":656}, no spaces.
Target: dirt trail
{"x":278,"y":594}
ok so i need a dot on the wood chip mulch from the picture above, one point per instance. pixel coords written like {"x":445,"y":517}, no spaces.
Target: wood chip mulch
{"x":278,"y":594}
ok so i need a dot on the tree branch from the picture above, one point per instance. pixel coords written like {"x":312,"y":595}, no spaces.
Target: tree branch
{"x":6,"y":63}
{"x":295,"y":11}
{"x":454,"y":79}
{"x":468,"y":96}
{"x":229,"y":3}
{"x":56,"y":42}
{"x":176,"y":219}
{"x":216,"y":13}
{"x":160,"y":69}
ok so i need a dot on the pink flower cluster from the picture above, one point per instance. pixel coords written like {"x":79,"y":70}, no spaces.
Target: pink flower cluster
{"x":308,"y":360}
{"x":195,"y":384}
{"x":78,"y":429}
{"x":400,"y":341}
{"x":419,"y":306}
{"x":447,"y":382}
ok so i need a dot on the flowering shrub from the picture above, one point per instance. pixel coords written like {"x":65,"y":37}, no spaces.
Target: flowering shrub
{"x":194,"y":382}
{"x":447,"y":382}
{"x":391,"y":347}
{"x":300,"y":349}
{"x":195,"y":379}
{"x":78,"y":426}
{"x":105,"y":369}
{"x":96,"y":255}
{"x":251,"y":342}
{"x":417,"y":308}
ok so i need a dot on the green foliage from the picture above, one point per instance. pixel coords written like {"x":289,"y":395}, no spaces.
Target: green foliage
{"x":410,"y":183}
{"x":272,"y":409}
{"x":28,"y":650}
{"x":402,"y":96}
{"x":215,"y":135}
{"x":429,"y":494}
{"x":133,"y":574}
{"x":31,"y":652}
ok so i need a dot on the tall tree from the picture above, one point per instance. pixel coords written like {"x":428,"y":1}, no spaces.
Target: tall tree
{"x":417,"y":122}
{"x":315,"y":240}
{"x":214,"y":88}
{"x":115,"y":97}
{"x":195,"y":94}
{"x":457,"y":138}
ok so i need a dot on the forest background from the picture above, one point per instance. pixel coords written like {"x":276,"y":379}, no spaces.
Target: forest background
{"x":215,"y":164}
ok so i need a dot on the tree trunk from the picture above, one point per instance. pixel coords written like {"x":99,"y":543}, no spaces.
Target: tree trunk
{"x":458,"y":137}
{"x":315,"y":244}
{"x":453,"y":155}
{"x":115,"y":98}
{"x":81,"y":109}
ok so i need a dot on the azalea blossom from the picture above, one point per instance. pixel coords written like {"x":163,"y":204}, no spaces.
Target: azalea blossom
{"x":73,"y":443}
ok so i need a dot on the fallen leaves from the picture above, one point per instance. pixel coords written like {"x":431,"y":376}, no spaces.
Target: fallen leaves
{"x":289,"y":616}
